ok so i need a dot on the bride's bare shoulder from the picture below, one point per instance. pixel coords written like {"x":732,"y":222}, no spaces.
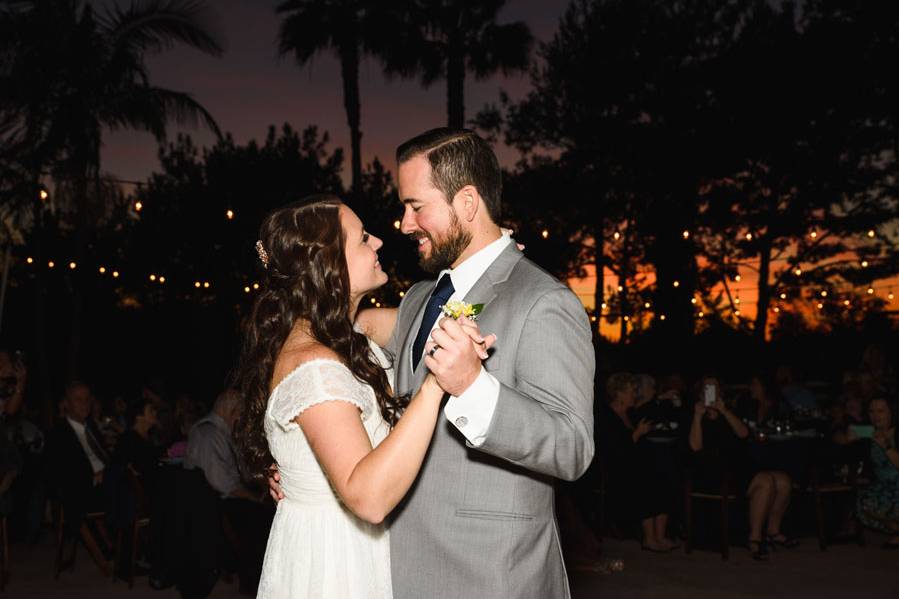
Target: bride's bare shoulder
{"x":292,"y":358}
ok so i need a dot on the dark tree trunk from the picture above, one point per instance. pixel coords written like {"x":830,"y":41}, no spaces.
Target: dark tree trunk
{"x":349,"y":63}
{"x":761,"y":317}
{"x":455,"y":88}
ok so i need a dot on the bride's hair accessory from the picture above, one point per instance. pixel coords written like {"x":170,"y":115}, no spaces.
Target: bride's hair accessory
{"x":263,"y":255}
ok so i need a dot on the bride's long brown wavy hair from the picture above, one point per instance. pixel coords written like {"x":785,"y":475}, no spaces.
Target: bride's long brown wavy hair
{"x":306,"y":280}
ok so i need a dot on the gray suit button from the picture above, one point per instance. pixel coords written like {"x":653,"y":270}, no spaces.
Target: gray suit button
{"x":461,"y":421}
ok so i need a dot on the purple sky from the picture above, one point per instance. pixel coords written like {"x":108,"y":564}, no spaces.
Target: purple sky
{"x":250,"y":88}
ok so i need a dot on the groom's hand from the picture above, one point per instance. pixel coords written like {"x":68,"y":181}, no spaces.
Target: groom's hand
{"x":274,"y":480}
{"x":456,"y":363}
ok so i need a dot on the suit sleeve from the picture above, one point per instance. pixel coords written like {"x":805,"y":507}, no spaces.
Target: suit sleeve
{"x":545,"y":421}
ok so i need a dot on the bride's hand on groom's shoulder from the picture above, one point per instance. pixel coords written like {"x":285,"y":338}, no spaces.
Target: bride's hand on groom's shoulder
{"x":456,"y":361}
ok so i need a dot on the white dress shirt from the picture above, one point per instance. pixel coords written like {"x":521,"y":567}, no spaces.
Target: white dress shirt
{"x":96,"y":463}
{"x":472,"y":411}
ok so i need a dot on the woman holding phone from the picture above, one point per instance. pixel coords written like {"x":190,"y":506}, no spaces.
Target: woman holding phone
{"x":717,"y":440}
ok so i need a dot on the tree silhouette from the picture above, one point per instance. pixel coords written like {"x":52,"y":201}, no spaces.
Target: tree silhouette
{"x":75,"y":73}
{"x":446,"y":39}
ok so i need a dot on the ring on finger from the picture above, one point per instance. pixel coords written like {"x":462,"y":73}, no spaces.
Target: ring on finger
{"x":433,"y":350}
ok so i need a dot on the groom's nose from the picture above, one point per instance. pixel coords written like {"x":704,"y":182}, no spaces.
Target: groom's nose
{"x":408,"y":224}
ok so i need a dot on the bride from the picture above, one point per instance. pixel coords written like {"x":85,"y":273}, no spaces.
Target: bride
{"x":319,"y":404}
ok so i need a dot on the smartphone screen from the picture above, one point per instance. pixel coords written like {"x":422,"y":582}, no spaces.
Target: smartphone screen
{"x":708,"y":394}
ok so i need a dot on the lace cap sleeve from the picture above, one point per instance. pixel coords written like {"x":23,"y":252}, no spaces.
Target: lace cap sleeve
{"x":315,"y":382}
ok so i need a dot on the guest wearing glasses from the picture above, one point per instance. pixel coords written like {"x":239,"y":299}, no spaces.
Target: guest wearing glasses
{"x":878,"y":503}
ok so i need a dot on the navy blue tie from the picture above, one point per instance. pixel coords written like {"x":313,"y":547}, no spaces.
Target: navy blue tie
{"x":439,"y":297}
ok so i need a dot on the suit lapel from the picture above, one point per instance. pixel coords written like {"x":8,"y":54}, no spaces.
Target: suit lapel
{"x":489,"y":285}
{"x":405,"y":367}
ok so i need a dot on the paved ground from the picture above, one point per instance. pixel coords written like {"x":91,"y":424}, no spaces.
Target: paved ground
{"x":841,"y":572}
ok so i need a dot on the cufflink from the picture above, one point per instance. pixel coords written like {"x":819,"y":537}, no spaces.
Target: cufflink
{"x":461,"y":421}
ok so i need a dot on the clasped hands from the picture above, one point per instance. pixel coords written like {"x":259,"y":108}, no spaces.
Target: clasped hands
{"x":455,"y":352}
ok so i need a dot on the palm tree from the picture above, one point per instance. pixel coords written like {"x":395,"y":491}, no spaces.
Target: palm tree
{"x":72,"y":73}
{"x":346,"y":27}
{"x":445,"y":39}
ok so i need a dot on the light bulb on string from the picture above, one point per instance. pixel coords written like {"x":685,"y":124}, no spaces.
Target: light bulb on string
{"x":823,"y":293}
{"x":661,"y":317}
{"x":29,"y":260}
{"x":846,"y":303}
{"x":686,"y":234}
{"x":627,"y":318}
{"x":593,"y":318}
{"x":798,"y":272}
{"x":738,"y":278}
{"x":372,"y":300}
{"x":138,"y":206}
{"x":229,"y":214}
{"x":102,"y":270}
{"x":246,"y":289}
{"x":544,"y":234}
{"x":890,"y":295}
{"x":676,"y":284}
{"x":870,"y":290}
{"x":402,"y":294}
{"x":701,"y":314}
{"x":783,"y":296}
{"x":162,"y":279}
{"x":604,"y":305}
{"x":620,"y":289}
{"x":152,"y":277}
{"x":864,"y":264}
{"x":51,"y":264}
{"x":736,"y":312}
{"x":197,"y":284}
{"x":205,"y":284}
{"x":43,"y":195}
{"x":115,"y":274}
{"x":749,"y":237}
{"x":693,"y":300}
{"x":616,"y":235}
{"x":813,"y":234}
{"x":255,"y":285}
{"x":871,"y":233}
{"x":646,"y":305}
{"x":776,"y":309}
{"x":820,"y":305}
{"x":737,"y":300}
{"x":396,"y":225}
{"x":72,"y":265}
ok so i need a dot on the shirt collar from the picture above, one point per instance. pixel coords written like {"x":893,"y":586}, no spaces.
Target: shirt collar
{"x":473,"y":268}
{"x":76,"y":425}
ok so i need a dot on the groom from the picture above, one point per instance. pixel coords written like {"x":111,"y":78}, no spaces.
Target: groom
{"x":479,"y":521}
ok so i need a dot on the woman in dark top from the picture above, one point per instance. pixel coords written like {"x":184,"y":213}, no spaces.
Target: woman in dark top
{"x":134,"y":449}
{"x":717,"y":439}
{"x":634,"y":488}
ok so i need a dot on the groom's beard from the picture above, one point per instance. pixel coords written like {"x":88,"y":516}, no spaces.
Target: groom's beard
{"x":444,"y":252}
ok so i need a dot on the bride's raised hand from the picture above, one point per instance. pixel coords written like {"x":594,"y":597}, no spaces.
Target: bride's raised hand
{"x":481,"y":343}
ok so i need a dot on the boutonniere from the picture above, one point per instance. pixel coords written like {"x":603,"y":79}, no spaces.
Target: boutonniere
{"x":456,"y":310}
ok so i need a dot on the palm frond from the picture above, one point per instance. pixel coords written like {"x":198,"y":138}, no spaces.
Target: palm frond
{"x":156,"y":25}
{"x":151,"y":108}
{"x":307,"y":30}
{"x":505,"y":48}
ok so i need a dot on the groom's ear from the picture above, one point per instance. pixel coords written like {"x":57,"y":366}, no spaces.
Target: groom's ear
{"x":467,"y":202}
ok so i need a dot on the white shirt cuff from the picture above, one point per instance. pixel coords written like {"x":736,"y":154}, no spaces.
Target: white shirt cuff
{"x":472,"y":411}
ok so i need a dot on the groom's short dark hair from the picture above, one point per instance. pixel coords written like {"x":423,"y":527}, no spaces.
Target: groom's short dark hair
{"x":458,"y":157}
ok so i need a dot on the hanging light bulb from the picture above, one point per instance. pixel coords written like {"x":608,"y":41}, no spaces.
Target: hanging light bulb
{"x":736,"y":312}
{"x":205,"y":284}
{"x":798,"y":272}
{"x":871,"y":233}
{"x":229,"y":214}
{"x":846,"y":303}
{"x":51,"y":264}
{"x":138,"y":206}
{"x":864,"y":264}
{"x":870,"y":290}
{"x":152,"y":277}
{"x":661,"y":317}
{"x":197,"y":284}
{"x":616,"y":235}
{"x":72,"y":265}
{"x":396,"y":225}
{"x":544,"y":234}
{"x":686,"y":234}
{"x":738,"y":278}
{"x":776,"y":309}
{"x":627,"y":318}
{"x":783,"y":296}
{"x":246,"y":289}
{"x":693,"y":300}
{"x":604,"y":305}
{"x":115,"y":274}
{"x":823,"y":293}
{"x":737,"y":300}
{"x":102,"y":270}
{"x":646,"y":305}
{"x":820,"y":305}
{"x":749,"y":237}
{"x":43,"y":195}
{"x":162,"y":279}
{"x":813,"y":234}
{"x":255,"y":285}
{"x":701,"y":313}
{"x":29,"y":260}
{"x":402,"y":294}
{"x":676,"y":283}
{"x":890,"y":295}
{"x":620,"y":289}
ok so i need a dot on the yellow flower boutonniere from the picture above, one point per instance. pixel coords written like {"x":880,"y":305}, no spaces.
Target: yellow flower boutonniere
{"x":456,"y":310}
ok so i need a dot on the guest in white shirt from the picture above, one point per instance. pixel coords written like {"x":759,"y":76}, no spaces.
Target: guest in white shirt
{"x":75,"y":463}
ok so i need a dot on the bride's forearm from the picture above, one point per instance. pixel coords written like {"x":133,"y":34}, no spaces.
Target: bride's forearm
{"x":381,"y":479}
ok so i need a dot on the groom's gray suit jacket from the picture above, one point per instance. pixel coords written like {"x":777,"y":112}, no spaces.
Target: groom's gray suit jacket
{"x":479,"y":522}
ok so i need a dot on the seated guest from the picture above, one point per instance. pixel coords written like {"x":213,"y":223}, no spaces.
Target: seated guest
{"x":635,"y":490}
{"x":75,"y":465}
{"x":210,"y":448}
{"x":717,"y":439}
{"x":760,"y":404}
{"x":796,"y":398}
{"x":878,"y":503}
{"x":848,"y":410}
{"x":134,"y":449}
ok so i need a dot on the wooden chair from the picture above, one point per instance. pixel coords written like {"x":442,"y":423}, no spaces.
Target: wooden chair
{"x":61,"y":562}
{"x":141,"y":521}
{"x":724,"y":496}
{"x":820,"y":490}
{"x":4,"y":540}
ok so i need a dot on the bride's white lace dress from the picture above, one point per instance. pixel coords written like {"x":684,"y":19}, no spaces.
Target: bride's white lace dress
{"x":318,"y":548}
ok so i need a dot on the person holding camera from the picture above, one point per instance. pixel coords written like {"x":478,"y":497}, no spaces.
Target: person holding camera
{"x":717,"y":440}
